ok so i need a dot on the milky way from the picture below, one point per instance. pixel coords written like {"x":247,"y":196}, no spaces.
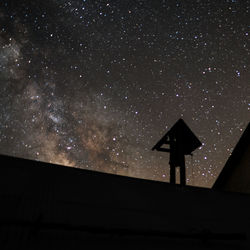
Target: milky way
{"x":95,"y":84}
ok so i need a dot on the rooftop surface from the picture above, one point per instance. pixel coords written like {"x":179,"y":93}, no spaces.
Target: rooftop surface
{"x":44,"y":205}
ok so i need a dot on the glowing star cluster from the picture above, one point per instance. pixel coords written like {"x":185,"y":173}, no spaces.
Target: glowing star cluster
{"x":94,"y":84}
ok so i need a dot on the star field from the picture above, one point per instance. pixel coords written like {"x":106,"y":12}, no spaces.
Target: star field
{"x":95,"y":84}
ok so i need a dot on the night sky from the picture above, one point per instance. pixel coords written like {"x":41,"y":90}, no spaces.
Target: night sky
{"x":95,"y":84}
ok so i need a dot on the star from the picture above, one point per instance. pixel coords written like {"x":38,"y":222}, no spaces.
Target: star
{"x":95,"y":84}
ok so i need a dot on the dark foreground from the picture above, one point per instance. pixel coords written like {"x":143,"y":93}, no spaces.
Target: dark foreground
{"x":45,"y":206}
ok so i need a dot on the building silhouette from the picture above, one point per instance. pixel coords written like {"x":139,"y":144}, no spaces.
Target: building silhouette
{"x":48,"y":206}
{"x":235,"y":175}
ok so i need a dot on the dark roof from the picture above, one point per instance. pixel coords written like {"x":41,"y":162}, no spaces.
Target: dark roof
{"x":234,"y":159}
{"x":181,"y":132}
{"x":47,"y":206}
